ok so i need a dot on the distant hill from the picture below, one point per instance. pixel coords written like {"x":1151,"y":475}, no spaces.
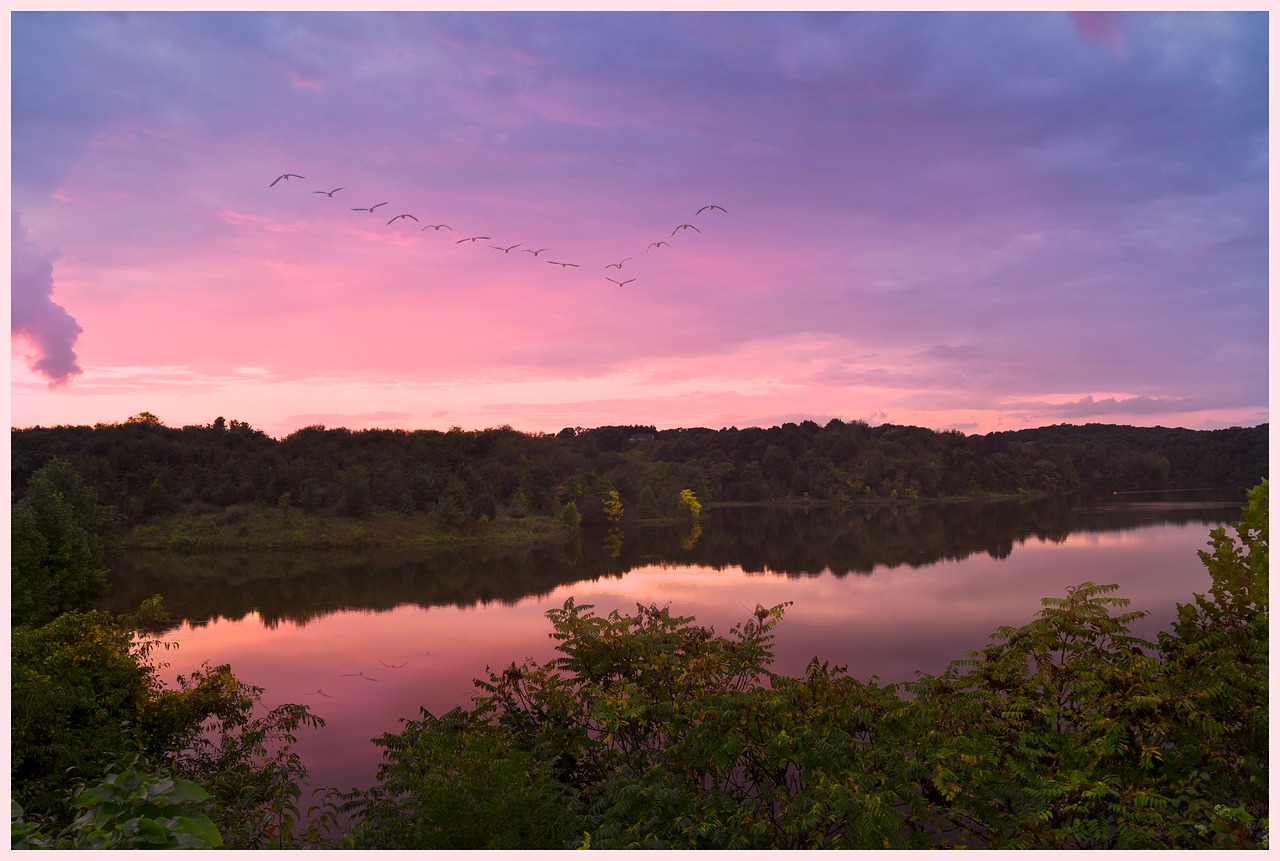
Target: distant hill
{"x":149,"y":470}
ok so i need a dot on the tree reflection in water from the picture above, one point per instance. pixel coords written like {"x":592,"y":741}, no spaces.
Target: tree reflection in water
{"x":931,"y":582}
{"x":793,"y":541}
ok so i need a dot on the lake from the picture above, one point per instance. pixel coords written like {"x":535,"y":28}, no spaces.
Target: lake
{"x":366,"y":638}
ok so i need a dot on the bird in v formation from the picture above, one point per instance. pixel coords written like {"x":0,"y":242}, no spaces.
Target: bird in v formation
{"x":509,"y":248}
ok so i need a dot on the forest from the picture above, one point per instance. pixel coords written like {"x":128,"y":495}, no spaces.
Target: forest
{"x":146,"y":470}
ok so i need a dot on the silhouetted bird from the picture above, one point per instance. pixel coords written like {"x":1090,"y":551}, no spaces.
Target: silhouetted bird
{"x":368,"y":208}
{"x":684,"y":227}
{"x":657,"y":245}
{"x":618,"y":265}
{"x":403,"y":215}
{"x":620,"y":283}
{"x":437,"y":227}
{"x":506,"y":250}
{"x":472,"y":239}
{"x":330,"y":193}
{"x":535,"y":253}
{"x":391,"y":666}
{"x":558,"y":263}
{"x":286,"y":176}
{"x":711,"y":206}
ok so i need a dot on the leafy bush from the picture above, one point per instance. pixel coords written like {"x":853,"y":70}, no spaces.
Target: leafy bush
{"x":128,"y":810}
{"x":87,"y":698}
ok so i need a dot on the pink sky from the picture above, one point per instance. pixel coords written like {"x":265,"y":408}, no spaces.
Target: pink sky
{"x":970,"y":221}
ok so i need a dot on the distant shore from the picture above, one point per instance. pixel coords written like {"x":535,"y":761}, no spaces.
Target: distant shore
{"x":248,"y":527}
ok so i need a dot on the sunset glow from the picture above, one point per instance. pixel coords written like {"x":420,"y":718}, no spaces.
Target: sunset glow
{"x":978,"y":221}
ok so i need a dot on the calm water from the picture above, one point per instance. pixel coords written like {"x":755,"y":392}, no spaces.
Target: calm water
{"x":369,"y":638}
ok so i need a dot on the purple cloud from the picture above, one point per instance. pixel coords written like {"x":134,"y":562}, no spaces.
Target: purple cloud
{"x":45,"y":324}
{"x":1104,"y":27}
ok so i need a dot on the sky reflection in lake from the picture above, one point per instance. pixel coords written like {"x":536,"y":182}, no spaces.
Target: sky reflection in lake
{"x":363,"y":670}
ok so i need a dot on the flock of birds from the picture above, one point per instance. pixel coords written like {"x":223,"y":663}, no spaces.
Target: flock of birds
{"x":507,"y":249}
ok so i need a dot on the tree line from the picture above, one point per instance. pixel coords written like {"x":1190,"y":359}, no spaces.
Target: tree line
{"x":146,"y":470}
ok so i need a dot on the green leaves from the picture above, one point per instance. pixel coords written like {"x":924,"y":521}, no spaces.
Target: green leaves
{"x":456,"y":782}
{"x":129,"y":810}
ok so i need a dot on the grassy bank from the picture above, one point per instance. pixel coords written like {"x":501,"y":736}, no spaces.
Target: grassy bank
{"x":245,"y":527}
{"x":249,"y":527}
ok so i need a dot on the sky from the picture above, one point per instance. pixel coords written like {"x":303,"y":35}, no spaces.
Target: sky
{"x":969,"y":221}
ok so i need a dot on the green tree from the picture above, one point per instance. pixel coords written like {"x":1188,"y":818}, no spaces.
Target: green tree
{"x":146,"y":419}
{"x":356,"y":499}
{"x":1216,"y":660}
{"x":647,"y":502}
{"x":59,"y":560}
{"x":570,"y":516}
{"x":612,"y":506}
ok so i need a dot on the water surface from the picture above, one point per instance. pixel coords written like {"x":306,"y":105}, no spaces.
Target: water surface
{"x":369,"y":638}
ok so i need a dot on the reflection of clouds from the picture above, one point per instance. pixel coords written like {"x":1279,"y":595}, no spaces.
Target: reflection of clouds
{"x":1101,"y":539}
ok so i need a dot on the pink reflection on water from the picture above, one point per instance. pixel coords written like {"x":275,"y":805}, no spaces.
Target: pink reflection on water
{"x":362,"y":671}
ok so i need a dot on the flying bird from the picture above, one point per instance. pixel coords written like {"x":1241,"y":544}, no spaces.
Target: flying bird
{"x":657,"y":245}
{"x":535,"y":253}
{"x":619,"y":263}
{"x":321,"y":693}
{"x":472,"y":239}
{"x":711,"y":206}
{"x":286,"y":176}
{"x":361,"y":675}
{"x":684,"y":227}
{"x":330,"y":193}
{"x":506,"y":250}
{"x":403,"y":215}
{"x":562,"y":265}
{"x":620,"y":283}
{"x":368,"y":208}
{"x":437,"y":227}
{"x":391,"y":666}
